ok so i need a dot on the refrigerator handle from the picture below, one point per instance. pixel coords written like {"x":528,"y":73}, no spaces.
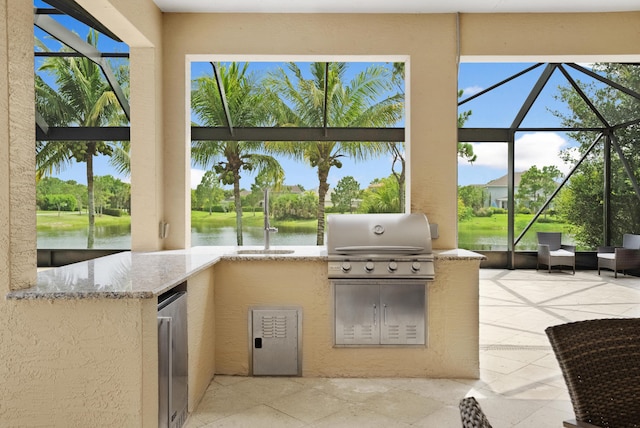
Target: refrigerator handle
{"x":169,"y":369}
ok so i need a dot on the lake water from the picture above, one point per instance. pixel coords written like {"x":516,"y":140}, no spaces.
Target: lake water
{"x":116,"y":238}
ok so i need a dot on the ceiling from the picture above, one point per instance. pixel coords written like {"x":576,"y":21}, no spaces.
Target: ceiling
{"x":402,"y":6}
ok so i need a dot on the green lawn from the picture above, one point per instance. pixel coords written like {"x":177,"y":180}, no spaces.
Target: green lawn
{"x":486,"y":233}
{"x":72,"y":220}
{"x":248,"y":220}
{"x":47,"y":220}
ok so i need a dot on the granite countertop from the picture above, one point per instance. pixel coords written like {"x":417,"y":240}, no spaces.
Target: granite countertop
{"x":143,"y":275}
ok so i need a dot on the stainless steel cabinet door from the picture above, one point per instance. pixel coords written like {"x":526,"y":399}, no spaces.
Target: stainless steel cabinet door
{"x":380,"y":313}
{"x":357,"y":314}
{"x":275,"y":342}
{"x":402,"y":314}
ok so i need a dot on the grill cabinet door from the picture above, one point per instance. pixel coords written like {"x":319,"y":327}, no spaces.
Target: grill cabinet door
{"x":402,"y":318}
{"x":275,"y":342}
{"x":357,"y":313}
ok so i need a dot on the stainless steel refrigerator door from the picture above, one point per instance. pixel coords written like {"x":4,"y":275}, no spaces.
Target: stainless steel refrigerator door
{"x":172,"y":361}
{"x":164,"y":370}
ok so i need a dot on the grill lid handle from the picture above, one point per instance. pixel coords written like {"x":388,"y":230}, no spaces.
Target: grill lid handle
{"x":379,"y":249}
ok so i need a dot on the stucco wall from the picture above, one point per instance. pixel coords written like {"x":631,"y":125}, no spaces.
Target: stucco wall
{"x":561,"y":37}
{"x":202,"y":339}
{"x":91,"y":374}
{"x":452,"y":324}
{"x":17,"y":160}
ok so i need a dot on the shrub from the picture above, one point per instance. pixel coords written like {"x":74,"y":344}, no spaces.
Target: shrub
{"x":112,"y":212}
{"x":60,"y":202}
{"x":484,"y":212}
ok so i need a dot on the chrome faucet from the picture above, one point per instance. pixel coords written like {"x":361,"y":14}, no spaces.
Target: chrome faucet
{"x":267,"y":228}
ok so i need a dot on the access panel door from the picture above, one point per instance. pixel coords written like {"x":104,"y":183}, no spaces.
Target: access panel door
{"x":275,"y":346}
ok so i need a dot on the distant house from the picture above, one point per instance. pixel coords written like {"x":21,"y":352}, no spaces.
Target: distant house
{"x":498,"y":189}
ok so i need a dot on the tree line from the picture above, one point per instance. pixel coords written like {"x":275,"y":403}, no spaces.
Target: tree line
{"x":112,"y":196}
{"x":296,"y":203}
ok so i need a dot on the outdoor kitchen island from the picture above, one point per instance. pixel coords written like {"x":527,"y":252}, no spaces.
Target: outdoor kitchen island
{"x":98,"y":322}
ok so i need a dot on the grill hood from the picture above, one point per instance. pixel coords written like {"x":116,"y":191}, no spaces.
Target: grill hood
{"x":378,"y":234}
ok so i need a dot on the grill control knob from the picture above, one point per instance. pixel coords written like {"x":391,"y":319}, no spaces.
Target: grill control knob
{"x":346,"y":267}
{"x":415,"y":267}
{"x":369,"y":266}
{"x":393,"y":266}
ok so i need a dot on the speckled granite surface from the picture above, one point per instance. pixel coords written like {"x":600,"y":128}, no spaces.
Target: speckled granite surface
{"x":132,"y":275}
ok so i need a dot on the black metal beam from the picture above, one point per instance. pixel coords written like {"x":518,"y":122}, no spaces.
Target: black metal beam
{"x":325,"y":118}
{"x":79,"y":55}
{"x":625,"y":164}
{"x":533,"y":95}
{"x":483,"y":135}
{"x":584,"y":97}
{"x":71,"y":8}
{"x":108,"y":133}
{"x":466,"y":100}
{"x":41,"y":123}
{"x":122,"y":133}
{"x":54,"y":28}
{"x":298,"y":134}
{"x":606,"y":81}
{"x":223,"y":97}
{"x":47,"y":11}
{"x":511,"y":199}
{"x":606,"y":191}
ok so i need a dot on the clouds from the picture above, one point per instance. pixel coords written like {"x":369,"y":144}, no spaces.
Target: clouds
{"x":471,"y":90}
{"x":196,"y":177}
{"x":538,"y":148}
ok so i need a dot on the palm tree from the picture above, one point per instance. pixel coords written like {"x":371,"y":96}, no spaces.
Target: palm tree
{"x":363,"y":102}
{"x":81,"y":97}
{"x":246,"y":107}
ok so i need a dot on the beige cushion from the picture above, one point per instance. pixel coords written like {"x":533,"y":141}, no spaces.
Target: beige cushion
{"x":610,"y":256}
{"x":561,"y":253}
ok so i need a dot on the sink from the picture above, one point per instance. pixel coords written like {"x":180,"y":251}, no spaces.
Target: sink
{"x":264,"y":252}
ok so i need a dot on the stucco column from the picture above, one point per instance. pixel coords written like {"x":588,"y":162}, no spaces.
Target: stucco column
{"x":146,"y":149}
{"x":17,"y":153}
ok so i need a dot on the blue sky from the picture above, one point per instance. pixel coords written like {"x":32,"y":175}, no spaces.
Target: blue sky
{"x":495,"y":109}
{"x":499,"y":107}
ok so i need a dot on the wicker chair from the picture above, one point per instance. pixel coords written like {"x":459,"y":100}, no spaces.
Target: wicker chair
{"x":472,"y":415}
{"x":600,"y":362}
{"x":620,"y":258}
{"x":552,"y":253}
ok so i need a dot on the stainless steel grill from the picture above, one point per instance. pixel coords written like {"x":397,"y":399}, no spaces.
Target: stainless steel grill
{"x":381,"y":246}
{"x":379,"y":265}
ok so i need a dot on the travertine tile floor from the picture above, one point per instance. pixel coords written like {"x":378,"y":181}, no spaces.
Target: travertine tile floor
{"x":520,"y":383}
